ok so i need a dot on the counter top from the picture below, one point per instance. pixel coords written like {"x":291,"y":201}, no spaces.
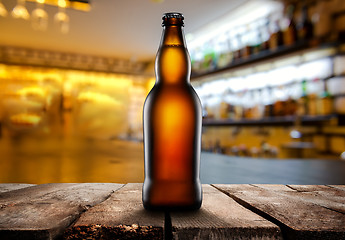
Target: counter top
{"x":115,"y":211}
{"x":219,"y":168}
{"x":53,"y":160}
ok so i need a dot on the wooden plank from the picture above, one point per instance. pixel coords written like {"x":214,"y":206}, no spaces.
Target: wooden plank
{"x":122,"y":216}
{"x":274,"y":187}
{"x":6,"y":187}
{"x":311,"y":188}
{"x":297,"y":215}
{"x":220,"y":217}
{"x":45,"y":211}
{"x":341,"y":187}
{"x":325,"y":196}
{"x":328,"y":197}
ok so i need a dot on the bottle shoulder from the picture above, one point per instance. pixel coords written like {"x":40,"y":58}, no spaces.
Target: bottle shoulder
{"x":161,"y":88}
{"x":172,"y":93}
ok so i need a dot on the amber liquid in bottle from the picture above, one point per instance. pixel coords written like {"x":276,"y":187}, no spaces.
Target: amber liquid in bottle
{"x":172,"y":118}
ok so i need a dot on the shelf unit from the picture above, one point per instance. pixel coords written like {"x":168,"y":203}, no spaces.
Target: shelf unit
{"x":276,"y":121}
{"x":281,"y":52}
{"x":267,"y":54}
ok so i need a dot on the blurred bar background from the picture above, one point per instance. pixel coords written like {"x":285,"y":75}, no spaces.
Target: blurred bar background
{"x":74,"y":76}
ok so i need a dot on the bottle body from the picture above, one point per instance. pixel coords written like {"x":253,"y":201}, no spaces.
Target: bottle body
{"x":172,"y":133}
{"x":172,"y":118}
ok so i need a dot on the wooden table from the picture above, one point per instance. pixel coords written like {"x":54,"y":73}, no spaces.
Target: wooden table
{"x":114,"y":211}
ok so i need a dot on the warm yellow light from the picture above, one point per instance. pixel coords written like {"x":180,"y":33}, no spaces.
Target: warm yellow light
{"x":35,"y":91}
{"x":20,"y":11}
{"x":62,"y":3}
{"x":95,"y":97}
{"x":3,"y":11}
{"x":27,"y":119}
{"x":40,"y":1}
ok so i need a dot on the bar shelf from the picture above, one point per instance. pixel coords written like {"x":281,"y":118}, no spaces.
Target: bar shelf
{"x":276,"y":121}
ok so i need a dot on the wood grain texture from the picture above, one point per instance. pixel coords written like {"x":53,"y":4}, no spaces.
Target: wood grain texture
{"x":122,"y":216}
{"x":340,"y":187}
{"x":328,"y":197}
{"x":220,"y":217}
{"x":44,"y":211}
{"x":6,"y":187}
{"x":300,"y":214}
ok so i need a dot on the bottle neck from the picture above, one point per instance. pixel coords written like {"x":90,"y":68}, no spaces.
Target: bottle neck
{"x":172,"y":62}
{"x":173,"y":35}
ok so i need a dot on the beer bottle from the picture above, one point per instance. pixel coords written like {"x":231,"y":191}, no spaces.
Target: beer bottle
{"x":172,"y":118}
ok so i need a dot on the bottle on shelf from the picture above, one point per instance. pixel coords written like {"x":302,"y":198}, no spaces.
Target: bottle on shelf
{"x":305,"y":29}
{"x":302,"y":103}
{"x":248,"y":104}
{"x":314,"y":90}
{"x":264,"y":35}
{"x":322,"y":20}
{"x":223,"y":109}
{"x":237,"y":44}
{"x":245,"y":40}
{"x":255,"y":39}
{"x":279,"y":106}
{"x":290,"y":33}
{"x":325,"y":102}
{"x":209,"y":61}
{"x":276,"y":37}
{"x":229,"y":103}
{"x":258,"y":109}
{"x":224,"y":55}
{"x":196,"y":60}
{"x":239,"y":109}
{"x":268,"y":101}
{"x":291,"y":103}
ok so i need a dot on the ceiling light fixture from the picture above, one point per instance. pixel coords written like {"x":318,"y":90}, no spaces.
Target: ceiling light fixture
{"x":39,"y":16}
{"x":3,"y":11}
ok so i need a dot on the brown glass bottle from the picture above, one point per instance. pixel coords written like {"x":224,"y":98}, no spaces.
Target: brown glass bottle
{"x":172,"y":118}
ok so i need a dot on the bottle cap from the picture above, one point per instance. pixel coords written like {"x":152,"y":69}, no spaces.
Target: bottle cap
{"x":173,"y":15}
{"x":172,"y":18}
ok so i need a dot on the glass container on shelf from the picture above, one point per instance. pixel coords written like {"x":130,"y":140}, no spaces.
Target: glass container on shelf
{"x":223,"y":108}
{"x":230,"y":99}
{"x":305,"y":26}
{"x":213,"y":104}
{"x":246,"y":38}
{"x":280,"y":97}
{"x":302,"y":103}
{"x":223,"y":52}
{"x":237,"y":43}
{"x":314,"y":89}
{"x":248,"y":104}
{"x":255,"y":40}
{"x":322,"y":19}
{"x":264,"y":34}
{"x":209,"y":61}
{"x":276,"y":37}
{"x":267,"y":99}
{"x":325,"y":102}
{"x":289,"y":32}
{"x":291,"y":103}
{"x":239,"y":108}
{"x":196,"y":59}
{"x":258,"y":109}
